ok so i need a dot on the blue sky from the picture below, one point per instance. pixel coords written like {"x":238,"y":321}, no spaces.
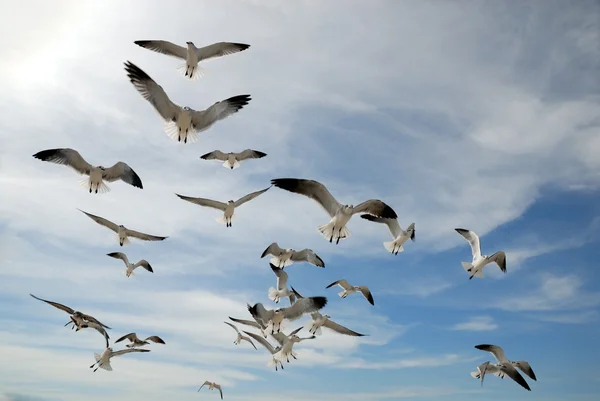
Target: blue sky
{"x":483,"y":115}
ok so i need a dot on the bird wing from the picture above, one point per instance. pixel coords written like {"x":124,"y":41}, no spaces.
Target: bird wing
{"x":510,"y":370}
{"x":295,"y":331}
{"x":292,"y":298}
{"x":203,"y":384}
{"x":163,"y":47}
{"x":92,"y":319}
{"x":152,"y":92}
{"x":312,"y":189}
{"x":392,"y":224}
{"x":282,"y":277}
{"x":249,"y":154}
{"x":67,"y":157}
{"x":250,"y":341}
{"x":296,"y":293}
{"x":99,"y":329}
{"x":495,"y":350}
{"x":342,"y":283}
{"x":144,"y":236}
{"x":232,"y":326}
{"x":259,"y":312}
{"x":262,"y":342}
{"x":127,"y":351}
{"x":525,"y":368}
{"x":204,"y":119}
{"x":131,"y":337}
{"x":155,"y":339}
{"x":119,"y":255}
{"x":473,"y":241}
{"x":249,"y":197}
{"x":144,"y":263}
{"x":330,"y":324}
{"x":280,"y":338}
{"x":215,"y":155}
{"x":375,"y":207}
{"x":247,"y":322}
{"x":302,"y":306}
{"x":205,"y":202}
{"x":272,"y":249}
{"x":122,"y":171}
{"x":102,"y":221}
{"x":500,"y":259}
{"x":218,"y":387}
{"x":56,"y":305}
{"x":367,"y":293}
{"x":309,"y":256}
{"x":219,"y":49}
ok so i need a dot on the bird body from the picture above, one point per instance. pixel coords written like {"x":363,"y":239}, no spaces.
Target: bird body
{"x":134,"y":341}
{"x":103,"y":360}
{"x":399,"y":235}
{"x":130,"y":267}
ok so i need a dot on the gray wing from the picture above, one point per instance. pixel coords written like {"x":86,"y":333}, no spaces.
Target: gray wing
{"x":204,"y":202}
{"x":259,"y":313}
{"x":102,"y":221}
{"x":144,"y":236}
{"x":155,"y":339}
{"x":282,"y":276}
{"x":215,"y":155}
{"x":309,"y":256}
{"x":249,"y":154}
{"x":341,"y":329}
{"x":144,"y":263}
{"x":473,"y":240}
{"x":312,"y":189}
{"x":525,"y":368}
{"x":119,"y":255}
{"x":152,"y":92}
{"x":99,"y":329}
{"x":510,"y":370}
{"x":127,"y":351}
{"x":392,"y":224}
{"x":272,"y":249}
{"x":220,"y":49}
{"x":342,"y":283}
{"x":122,"y":171}
{"x":247,"y":322}
{"x":495,"y":350}
{"x":500,"y":259}
{"x":56,"y":305}
{"x":280,"y":338}
{"x":296,"y":293}
{"x":367,"y":294}
{"x":163,"y":47}
{"x":302,"y":306}
{"x":203,"y":384}
{"x":233,"y":326}
{"x":249,"y":197}
{"x":250,"y":341}
{"x":204,"y":119}
{"x":67,"y":157}
{"x":262,"y":342}
{"x":218,"y":387}
{"x":131,"y":337}
{"x":375,"y":207}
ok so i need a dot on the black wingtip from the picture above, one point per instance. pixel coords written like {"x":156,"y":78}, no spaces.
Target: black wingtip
{"x":332,"y":284}
{"x":368,"y":217}
{"x":135,"y":73}
{"x":273,"y":267}
{"x":289,"y":184}
{"x":137,"y":181}
{"x":461,"y":230}
{"x":319,"y":302}
{"x":150,"y":270}
{"x":242,"y":46}
{"x":259,"y":154}
{"x":388,"y":212}
{"x":204,"y":156}
{"x":45,"y":154}
{"x":321,"y":262}
{"x":239,"y":101}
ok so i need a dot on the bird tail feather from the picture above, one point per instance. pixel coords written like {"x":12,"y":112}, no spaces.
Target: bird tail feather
{"x":172,"y":132}
{"x":273,"y":294}
{"x":196,"y":73}
{"x":87,"y":184}
{"x":275,"y":261}
{"x":228,"y":165}
{"x":391,"y":247}
{"x":327,"y":230}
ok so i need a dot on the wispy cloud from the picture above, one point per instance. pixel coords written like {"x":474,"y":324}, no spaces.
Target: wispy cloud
{"x":477,"y":323}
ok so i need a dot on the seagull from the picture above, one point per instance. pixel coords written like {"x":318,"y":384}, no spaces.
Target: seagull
{"x":232,"y":160}
{"x":97,"y":174}
{"x":282,"y":290}
{"x":273,"y":350}
{"x":240,"y":337}
{"x":227,"y":208}
{"x":475,"y":268}
{"x":285,"y":257}
{"x":272,"y":318}
{"x":509,"y":367}
{"x":182,"y":123}
{"x":351,"y":289}
{"x":212,"y":386}
{"x":398,"y":234}
{"x":77,"y":318}
{"x":136,"y":342}
{"x":103,"y":361}
{"x":340,"y":214}
{"x":192,"y":55}
{"x":487,"y":368}
{"x":287,"y":343}
{"x":130,"y":266}
{"x":123,"y":232}
{"x":257,"y":323}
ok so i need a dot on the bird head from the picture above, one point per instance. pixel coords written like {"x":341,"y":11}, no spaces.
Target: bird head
{"x":189,"y":43}
{"x":230,"y":201}
{"x":121,"y":226}
{"x":186,"y":108}
{"x":327,"y":316}
{"x":101,"y":168}
{"x":295,"y":338}
{"x":348,"y":208}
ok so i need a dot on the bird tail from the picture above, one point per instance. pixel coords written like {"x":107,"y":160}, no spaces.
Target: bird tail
{"x":87,"y":184}
{"x":318,"y":332}
{"x":273,"y":294}
{"x":126,"y":241}
{"x":469,"y":269}
{"x":230,"y":166}
{"x":106,"y":366}
{"x":97,"y":357}
{"x":341,"y":294}
{"x":327,"y":230}
{"x":392,"y":247}
{"x":130,"y":274}
{"x":221,"y":219}
{"x":172,"y":132}
{"x":191,"y":73}
{"x":475,"y":375}
{"x":275,"y":261}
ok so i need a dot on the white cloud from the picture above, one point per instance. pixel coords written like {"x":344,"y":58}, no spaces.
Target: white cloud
{"x":477,"y":323}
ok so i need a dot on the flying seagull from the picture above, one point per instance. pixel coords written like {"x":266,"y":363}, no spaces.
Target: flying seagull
{"x":509,"y":367}
{"x":287,"y":343}
{"x":282,"y":290}
{"x":134,"y":341}
{"x":485,"y":369}
{"x":97,"y":174}
{"x":340,"y":214}
{"x":475,"y":268}
{"x":232,"y":160}
{"x":285,"y":257}
{"x":398,"y":234}
{"x":272,"y":350}
{"x":182,"y":123}
{"x":240,"y":337}
{"x":192,"y":54}
{"x":212,"y":386}
{"x":351,"y":289}
{"x":76,"y":316}
{"x":130,"y":266}
{"x":123,"y":232}
{"x":272,"y":318}
{"x":103,"y":361}
{"x":227,"y":208}
{"x":256,"y":323}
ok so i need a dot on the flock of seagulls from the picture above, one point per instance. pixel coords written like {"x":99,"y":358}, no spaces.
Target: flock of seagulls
{"x":184,"y":124}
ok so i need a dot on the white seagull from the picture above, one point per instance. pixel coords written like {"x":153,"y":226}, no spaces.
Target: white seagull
{"x":351,"y":289}
{"x":232,"y":160}
{"x":285,"y":257}
{"x":487,"y":368}
{"x":398,"y":234}
{"x":286,"y":343}
{"x":282,"y":289}
{"x":182,"y":123}
{"x":192,"y":54}
{"x":123,"y":232}
{"x":475,"y":268}
{"x":103,"y":361}
{"x":240,"y":337}
{"x":340,"y":214}
{"x":227,"y":208}
{"x":131,"y":266}
{"x":272,"y":350}
{"x":272,"y":318}
{"x":97,"y":174}
{"x":509,"y":367}
{"x":212,"y":386}
{"x":134,"y":341}
{"x":257,"y":323}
